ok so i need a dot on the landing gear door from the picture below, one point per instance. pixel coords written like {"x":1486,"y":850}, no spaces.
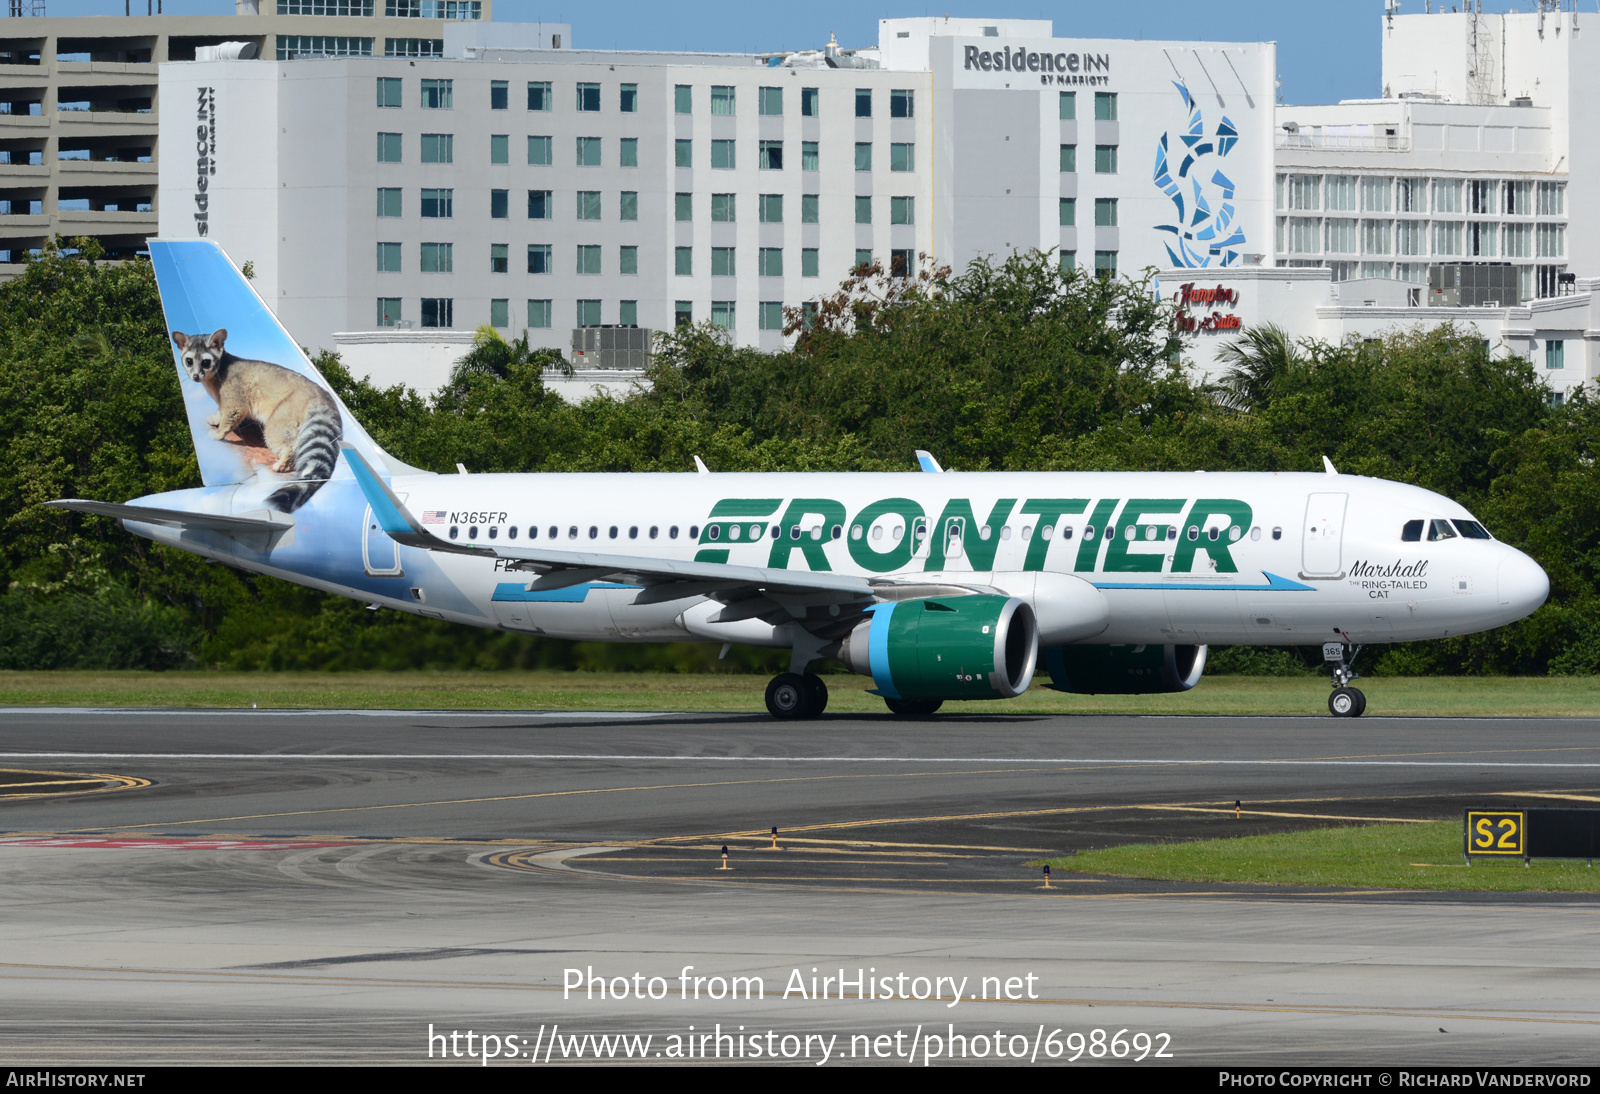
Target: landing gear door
{"x":1323,"y":551}
{"x":380,"y":556}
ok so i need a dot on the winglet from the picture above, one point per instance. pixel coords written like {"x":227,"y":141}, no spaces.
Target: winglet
{"x":1327,"y":465}
{"x":929,"y":464}
{"x":388,"y":510}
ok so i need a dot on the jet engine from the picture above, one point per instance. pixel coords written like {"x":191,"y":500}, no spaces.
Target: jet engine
{"x":1123,"y":670}
{"x":936,"y":648}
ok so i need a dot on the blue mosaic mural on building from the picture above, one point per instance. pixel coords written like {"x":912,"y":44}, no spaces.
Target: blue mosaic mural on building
{"x":1204,"y":232}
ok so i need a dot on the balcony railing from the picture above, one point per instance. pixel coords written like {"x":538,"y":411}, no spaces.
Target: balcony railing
{"x":1344,"y":142}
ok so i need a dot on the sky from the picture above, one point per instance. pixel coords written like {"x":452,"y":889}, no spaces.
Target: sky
{"x":1326,"y":51}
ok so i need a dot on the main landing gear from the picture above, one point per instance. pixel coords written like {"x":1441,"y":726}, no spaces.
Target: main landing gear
{"x":793,"y":695}
{"x":1346,"y":701}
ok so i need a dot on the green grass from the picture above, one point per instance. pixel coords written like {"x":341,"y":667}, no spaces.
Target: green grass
{"x":1454,"y":696}
{"x":1382,"y":856}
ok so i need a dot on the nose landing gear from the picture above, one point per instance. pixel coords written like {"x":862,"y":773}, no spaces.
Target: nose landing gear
{"x":1346,"y":701}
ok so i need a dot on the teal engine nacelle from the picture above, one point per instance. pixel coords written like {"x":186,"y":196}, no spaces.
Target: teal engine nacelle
{"x":1124,"y":670}
{"x":955,"y":647}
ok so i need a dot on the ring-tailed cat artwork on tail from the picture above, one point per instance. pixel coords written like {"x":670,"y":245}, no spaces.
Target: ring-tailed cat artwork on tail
{"x":298,"y":419}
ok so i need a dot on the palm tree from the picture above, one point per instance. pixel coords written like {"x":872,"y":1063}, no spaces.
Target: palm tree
{"x":1255,"y":362}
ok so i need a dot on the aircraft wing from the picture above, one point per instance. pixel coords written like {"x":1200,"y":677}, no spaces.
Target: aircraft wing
{"x":748,"y":590}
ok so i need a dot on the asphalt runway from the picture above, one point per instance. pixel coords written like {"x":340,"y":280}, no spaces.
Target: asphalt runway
{"x":296,"y":887}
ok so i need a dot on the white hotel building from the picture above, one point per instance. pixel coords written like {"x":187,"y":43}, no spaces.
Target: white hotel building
{"x":391,"y":205}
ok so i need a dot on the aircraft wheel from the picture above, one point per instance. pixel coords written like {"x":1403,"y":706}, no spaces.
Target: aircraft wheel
{"x":1361,"y":702}
{"x":789,"y":696}
{"x":819,"y":695}
{"x":1346,"y":703}
{"x":913,"y":708}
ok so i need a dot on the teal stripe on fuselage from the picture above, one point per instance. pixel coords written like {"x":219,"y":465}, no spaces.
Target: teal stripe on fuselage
{"x":572,"y":594}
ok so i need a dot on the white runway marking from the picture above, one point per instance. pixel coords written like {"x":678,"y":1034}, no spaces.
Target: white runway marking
{"x":556,"y":757}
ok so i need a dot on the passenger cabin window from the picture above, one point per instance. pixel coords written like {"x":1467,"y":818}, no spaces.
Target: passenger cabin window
{"x":1412,"y":532}
{"x":1440,"y":529}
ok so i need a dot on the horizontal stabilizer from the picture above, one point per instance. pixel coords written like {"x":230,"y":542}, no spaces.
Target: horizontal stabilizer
{"x":260,"y":532}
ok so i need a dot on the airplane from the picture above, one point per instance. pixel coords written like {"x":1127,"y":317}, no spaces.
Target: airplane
{"x":939,"y":585}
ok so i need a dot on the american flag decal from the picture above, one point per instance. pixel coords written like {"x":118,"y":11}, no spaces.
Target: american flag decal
{"x":433,"y":516}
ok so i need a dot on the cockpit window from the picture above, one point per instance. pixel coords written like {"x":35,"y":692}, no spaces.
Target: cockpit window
{"x":1412,"y":532}
{"x":1440,"y":529}
{"x":1473,"y":530}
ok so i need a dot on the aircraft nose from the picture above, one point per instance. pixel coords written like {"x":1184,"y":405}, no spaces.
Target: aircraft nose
{"x":1523,"y":585}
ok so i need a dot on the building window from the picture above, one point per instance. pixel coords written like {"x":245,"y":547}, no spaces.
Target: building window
{"x":682,"y":153}
{"x":1376,"y":195}
{"x":628,"y":260}
{"x":1302,"y":192}
{"x":1519,"y":198}
{"x":1069,"y":106}
{"x":499,"y":204}
{"x":1552,"y":240}
{"x":438,"y":148}
{"x":588,"y":204}
{"x":863,"y":155}
{"x":438,"y":258}
{"x":540,"y":97}
{"x":499,"y":148}
{"x":808,"y":102}
{"x":437,"y":94}
{"x":438,"y":312}
{"x":683,"y":261}
{"x":901,"y":263}
{"x":499,"y":258}
{"x":863,"y":257}
{"x":540,"y":204}
{"x":1105,"y":159}
{"x":1069,"y":157}
{"x":500,"y":313}
{"x":1481,"y":239}
{"x":1375,"y":236}
{"x":1552,"y":199}
{"x":388,"y":148}
{"x":388,"y":201}
{"x":1340,"y":235}
{"x":683,"y":207}
{"x":1339,"y":192}
{"x":1105,"y":262}
{"x":628,"y":313}
{"x":588,"y":259}
{"x":1518,"y":241}
{"x":722,"y":262}
{"x":388,"y":258}
{"x":417,"y":9}
{"x":628,"y":208}
{"x":1305,"y":235}
{"x":722,"y":314}
{"x":588,"y":97}
{"x":1555,"y":353}
{"x":769,"y":262}
{"x":864,"y":210}
{"x":628,"y":152}
{"x":1069,"y":261}
{"x":1105,"y":106}
{"x":771,"y":157}
{"x":389,"y":92}
{"x":628,"y":103}
{"x":863,"y":102}
{"x":539,"y":314}
{"x":770,"y":315}
{"x":723,"y":208}
{"x":1411,"y":196}
{"x":1105,"y":212}
{"x":902,"y":210}
{"x":722,"y":156}
{"x":682,"y":313}
{"x":588,"y":313}
{"x":902,"y":104}
{"x":809,"y":266}
{"x":1447,"y":195}
{"x":1447,"y":237}
{"x":499,"y":95}
{"x":588,"y":151}
{"x":769,"y":100}
{"x":1410,"y":236}
{"x":722,"y":99}
{"x":770,"y":208}
{"x":681,"y":101}
{"x":809,"y":160}
{"x":414,"y":47}
{"x":388,"y":311}
{"x":808,"y":208}
{"x":1480,"y":196}
{"x":1069,"y":212}
{"x":539,"y":259}
{"x":540,"y":151}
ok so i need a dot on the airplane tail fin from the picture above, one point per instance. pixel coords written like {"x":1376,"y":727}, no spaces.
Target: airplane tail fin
{"x":259,"y":411}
